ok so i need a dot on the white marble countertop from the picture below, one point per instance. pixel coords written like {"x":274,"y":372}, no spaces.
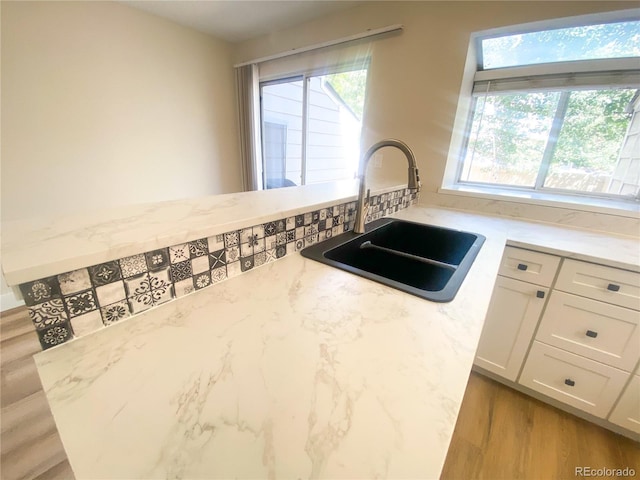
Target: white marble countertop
{"x":292,"y":370}
{"x":38,"y":247}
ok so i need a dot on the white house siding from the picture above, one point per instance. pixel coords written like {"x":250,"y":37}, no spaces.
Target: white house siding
{"x":333,"y":131}
{"x":626,"y":178}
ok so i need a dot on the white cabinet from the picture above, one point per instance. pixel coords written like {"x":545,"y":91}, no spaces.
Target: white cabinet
{"x":627,"y":412}
{"x":510,"y":323}
{"x":518,"y":298}
{"x":588,"y":340}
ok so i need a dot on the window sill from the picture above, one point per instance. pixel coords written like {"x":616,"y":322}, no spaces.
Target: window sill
{"x":585,"y":204}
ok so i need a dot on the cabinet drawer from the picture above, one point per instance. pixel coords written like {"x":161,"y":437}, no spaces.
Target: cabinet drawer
{"x":529,"y":266}
{"x":607,"y":284}
{"x":600,"y":331}
{"x":585,"y":384}
{"x":627,"y":412}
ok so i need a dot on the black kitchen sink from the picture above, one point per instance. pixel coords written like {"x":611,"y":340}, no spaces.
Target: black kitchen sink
{"x":424,"y":260}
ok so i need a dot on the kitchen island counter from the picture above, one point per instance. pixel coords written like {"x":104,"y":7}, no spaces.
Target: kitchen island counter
{"x":292,"y":370}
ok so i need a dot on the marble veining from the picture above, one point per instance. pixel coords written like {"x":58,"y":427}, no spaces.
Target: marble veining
{"x":100,"y":295}
{"x":293,"y":370}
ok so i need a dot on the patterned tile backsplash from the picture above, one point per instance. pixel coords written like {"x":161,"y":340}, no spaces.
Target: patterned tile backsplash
{"x":75,"y":303}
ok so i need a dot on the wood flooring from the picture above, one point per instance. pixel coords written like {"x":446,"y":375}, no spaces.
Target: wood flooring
{"x":500,"y":434}
{"x":30,"y":447}
{"x":504,"y":434}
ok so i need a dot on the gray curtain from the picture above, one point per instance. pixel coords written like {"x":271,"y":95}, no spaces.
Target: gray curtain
{"x":248,"y":113}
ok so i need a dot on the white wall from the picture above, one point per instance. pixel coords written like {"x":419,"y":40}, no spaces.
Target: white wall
{"x":104,"y":105}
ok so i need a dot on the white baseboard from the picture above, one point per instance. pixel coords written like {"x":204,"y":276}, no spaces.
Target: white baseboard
{"x":8,"y":301}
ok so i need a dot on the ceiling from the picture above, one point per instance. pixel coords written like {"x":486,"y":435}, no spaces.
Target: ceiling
{"x":239,"y":20}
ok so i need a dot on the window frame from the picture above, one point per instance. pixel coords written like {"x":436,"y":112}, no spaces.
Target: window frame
{"x":589,"y":73}
{"x":304,"y":76}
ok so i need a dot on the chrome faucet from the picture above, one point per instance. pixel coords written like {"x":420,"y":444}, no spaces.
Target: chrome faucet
{"x":363,"y":202}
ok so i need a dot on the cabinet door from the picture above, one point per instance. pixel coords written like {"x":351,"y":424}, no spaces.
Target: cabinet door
{"x":508,"y":328}
{"x":627,"y":412}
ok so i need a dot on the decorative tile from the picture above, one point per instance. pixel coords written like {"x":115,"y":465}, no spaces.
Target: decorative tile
{"x":140,"y":303}
{"x":307,"y":218}
{"x":259,"y":259}
{"x":269,"y":229}
{"x":115,"y":312}
{"x":322,"y":225}
{"x":199,"y":265}
{"x":80,"y":303}
{"x":232,"y":254}
{"x":110,"y":293}
{"x":184,"y":287}
{"x":47,"y":314}
{"x":105,"y":273}
{"x":281,"y":225}
{"x":281,"y":251}
{"x":246,"y":249}
{"x":231,"y":239}
{"x":323,"y":214}
{"x":181,"y":271}
{"x":270,"y":242}
{"x":328,"y":233}
{"x":290,"y":223}
{"x":233,"y":269}
{"x":281,"y":238}
{"x":179,"y":253}
{"x":217,"y":259}
{"x":161,"y":279}
{"x":40,"y":291}
{"x":133,"y":265}
{"x":218,"y":274}
{"x":202,"y":280}
{"x":137,"y":285}
{"x":299,"y":221}
{"x":315,"y":216}
{"x":291,"y":248}
{"x":76,"y":281}
{"x":299,"y":244}
{"x":158,"y":259}
{"x":55,"y":335}
{"x":246,"y":263}
{"x":162,"y":295}
{"x":258,"y":231}
{"x":198,"y":248}
{"x":259,"y":245}
{"x":329,"y":212}
{"x":216,"y":242}
{"x":270,"y":256}
{"x":245,"y":235}
{"x":299,"y":233}
{"x":291,"y":236}
{"x":87,"y":323}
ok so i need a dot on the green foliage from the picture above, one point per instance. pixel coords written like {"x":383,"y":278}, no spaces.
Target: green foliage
{"x":351,"y":86}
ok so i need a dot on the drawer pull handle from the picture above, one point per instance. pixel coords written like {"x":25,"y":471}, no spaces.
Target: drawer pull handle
{"x":540,"y":294}
{"x":591,"y":333}
{"x":612,"y":287}
{"x":569,"y":382}
{"x":522,"y":266}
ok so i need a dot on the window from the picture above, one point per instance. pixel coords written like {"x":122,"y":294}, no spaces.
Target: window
{"x":311,"y":127}
{"x":556,"y":111}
